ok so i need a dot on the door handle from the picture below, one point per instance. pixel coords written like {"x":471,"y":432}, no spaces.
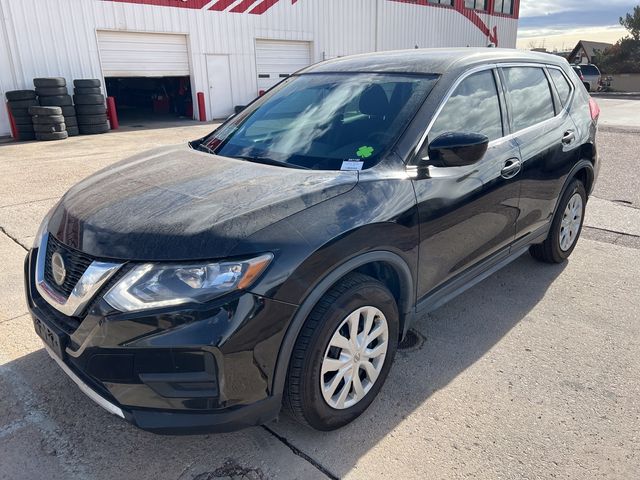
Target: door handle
{"x":569,"y":136}
{"x":511,"y":168}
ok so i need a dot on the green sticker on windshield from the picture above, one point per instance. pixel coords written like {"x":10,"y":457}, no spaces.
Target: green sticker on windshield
{"x":365,"y":152}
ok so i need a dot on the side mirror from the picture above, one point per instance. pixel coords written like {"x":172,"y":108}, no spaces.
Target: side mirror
{"x":457,"y":149}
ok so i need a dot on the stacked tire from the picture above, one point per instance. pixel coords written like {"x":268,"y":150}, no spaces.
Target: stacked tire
{"x":19,"y":103}
{"x":90,"y":107}
{"x":48,"y":123}
{"x":52,"y":92}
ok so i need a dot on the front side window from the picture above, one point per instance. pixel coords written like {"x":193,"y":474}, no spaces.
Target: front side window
{"x":562,"y":85}
{"x":473,"y":107}
{"x":442,"y":2}
{"x":529,"y":96}
{"x":319,"y":121}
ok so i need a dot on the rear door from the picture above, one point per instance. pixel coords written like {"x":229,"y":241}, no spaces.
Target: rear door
{"x":468,"y":214}
{"x":547,"y":140}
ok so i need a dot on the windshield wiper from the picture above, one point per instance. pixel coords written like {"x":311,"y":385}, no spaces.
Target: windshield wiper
{"x":203,"y":148}
{"x":270,"y":161}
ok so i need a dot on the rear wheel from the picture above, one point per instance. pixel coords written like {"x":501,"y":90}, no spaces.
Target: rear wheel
{"x":565,"y":228}
{"x":343,"y":354}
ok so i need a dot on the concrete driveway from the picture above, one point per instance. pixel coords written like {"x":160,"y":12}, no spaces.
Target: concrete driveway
{"x":531,"y":374}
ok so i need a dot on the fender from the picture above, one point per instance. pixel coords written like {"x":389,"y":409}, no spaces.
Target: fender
{"x":571,"y":175}
{"x":406,"y":305}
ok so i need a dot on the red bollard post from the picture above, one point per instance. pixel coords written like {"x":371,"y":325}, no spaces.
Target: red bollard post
{"x":201,"y":109}
{"x":12,"y":123}
{"x":112,"y":113}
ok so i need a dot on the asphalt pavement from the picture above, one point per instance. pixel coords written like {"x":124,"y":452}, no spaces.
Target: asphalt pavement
{"x":532,"y":373}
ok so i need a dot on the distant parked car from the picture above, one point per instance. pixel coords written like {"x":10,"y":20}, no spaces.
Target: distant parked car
{"x":591,"y":77}
{"x":578,"y":71}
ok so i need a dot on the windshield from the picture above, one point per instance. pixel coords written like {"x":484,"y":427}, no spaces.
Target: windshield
{"x":324,"y":121}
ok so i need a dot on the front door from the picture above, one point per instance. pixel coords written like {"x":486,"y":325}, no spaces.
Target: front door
{"x":220,"y":94}
{"x":468,"y":213}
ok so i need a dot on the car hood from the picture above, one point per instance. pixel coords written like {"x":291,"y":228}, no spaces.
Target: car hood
{"x":180,"y":204}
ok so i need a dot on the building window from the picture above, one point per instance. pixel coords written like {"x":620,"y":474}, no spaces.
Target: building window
{"x":442,"y":2}
{"x":476,"y":4}
{"x":504,"y":6}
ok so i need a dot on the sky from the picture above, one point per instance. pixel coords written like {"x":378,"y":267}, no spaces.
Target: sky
{"x":560,"y":24}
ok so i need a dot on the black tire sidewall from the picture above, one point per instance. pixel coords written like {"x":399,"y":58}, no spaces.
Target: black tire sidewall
{"x":91,"y":110}
{"x":87,"y":83}
{"x":317,"y":412}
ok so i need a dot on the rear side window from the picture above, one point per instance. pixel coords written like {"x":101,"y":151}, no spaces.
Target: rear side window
{"x":562,"y":85}
{"x":529,"y":96}
{"x":589,"y":70}
{"x":473,"y":107}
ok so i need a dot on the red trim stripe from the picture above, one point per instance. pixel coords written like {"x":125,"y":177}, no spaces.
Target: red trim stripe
{"x":221,"y":5}
{"x":242,"y":6}
{"x":192,"y":4}
{"x":263,"y":7}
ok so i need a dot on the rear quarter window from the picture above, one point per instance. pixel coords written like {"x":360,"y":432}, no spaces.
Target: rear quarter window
{"x":563,"y":87}
{"x":530,"y":98}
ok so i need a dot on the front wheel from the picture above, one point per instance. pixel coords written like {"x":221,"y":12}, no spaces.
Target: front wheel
{"x":343,"y":354}
{"x":565,"y":227}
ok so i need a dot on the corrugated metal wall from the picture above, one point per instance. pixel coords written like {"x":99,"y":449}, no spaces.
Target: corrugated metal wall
{"x":58,"y":37}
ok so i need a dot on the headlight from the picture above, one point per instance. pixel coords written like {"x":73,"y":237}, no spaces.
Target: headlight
{"x":43,"y":227}
{"x":153,"y":285}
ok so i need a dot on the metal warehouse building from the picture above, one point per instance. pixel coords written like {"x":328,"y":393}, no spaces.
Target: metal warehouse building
{"x":153,"y":54}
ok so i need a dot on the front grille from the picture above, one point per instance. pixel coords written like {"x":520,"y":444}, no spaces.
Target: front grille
{"x":76,"y":263}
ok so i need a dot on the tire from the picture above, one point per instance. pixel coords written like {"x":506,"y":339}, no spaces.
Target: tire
{"x":45,"y":111}
{"x":73,"y":131}
{"x":54,"y":127}
{"x":91,"y":109}
{"x":87,"y":83}
{"x":25,"y":128}
{"x":56,"y":100}
{"x":88,"y":99}
{"x":23,"y":137}
{"x":51,"y":91}
{"x":92,"y":119}
{"x":551,"y":250}
{"x":49,"y":82}
{"x":68,"y":111}
{"x":587,"y":86}
{"x":17,"y":95}
{"x":20,"y":112}
{"x":87,"y":91}
{"x":23,"y":120}
{"x":71,"y":121}
{"x":22,"y":104}
{"x":52,"y":136}
{"x":47,"y":119}
{"x":304,"y":397}
{"x":93,"y":129}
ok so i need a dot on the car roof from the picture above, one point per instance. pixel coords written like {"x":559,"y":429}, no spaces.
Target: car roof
{"x":429,"y":60}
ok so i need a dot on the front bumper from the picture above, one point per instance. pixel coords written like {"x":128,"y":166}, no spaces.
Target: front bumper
{"x":199,"y":368}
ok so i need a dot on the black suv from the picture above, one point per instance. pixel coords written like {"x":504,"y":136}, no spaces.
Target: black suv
{"x":282,"y":258}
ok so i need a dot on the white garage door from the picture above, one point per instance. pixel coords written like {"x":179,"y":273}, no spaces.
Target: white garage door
{"x":128,"y":54}
{"x":277,"y":59}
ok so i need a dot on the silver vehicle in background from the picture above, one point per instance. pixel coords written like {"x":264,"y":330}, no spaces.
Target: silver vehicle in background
{"x":590,"y":76}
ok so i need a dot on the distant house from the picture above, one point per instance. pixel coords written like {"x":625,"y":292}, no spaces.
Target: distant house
{"x":584,"y":51}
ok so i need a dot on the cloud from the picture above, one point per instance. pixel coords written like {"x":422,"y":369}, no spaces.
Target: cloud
{"x":542,"y":8}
